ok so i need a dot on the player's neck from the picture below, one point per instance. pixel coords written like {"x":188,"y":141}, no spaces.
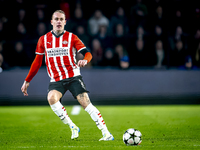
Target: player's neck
{"x":58,"y":33}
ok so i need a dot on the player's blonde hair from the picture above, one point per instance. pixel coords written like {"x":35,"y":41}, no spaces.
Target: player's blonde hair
{"x":58,"y":11}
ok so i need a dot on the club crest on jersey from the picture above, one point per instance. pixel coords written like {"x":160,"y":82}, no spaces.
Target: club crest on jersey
{"x":64,"y":42}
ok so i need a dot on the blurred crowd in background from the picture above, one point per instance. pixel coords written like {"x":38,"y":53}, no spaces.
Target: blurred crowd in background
{"x":119,"y":33}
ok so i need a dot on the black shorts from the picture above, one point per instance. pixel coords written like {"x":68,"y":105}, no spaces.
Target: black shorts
{"x":75,"y":85}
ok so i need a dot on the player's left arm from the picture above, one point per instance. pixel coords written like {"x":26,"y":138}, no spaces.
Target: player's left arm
{"x":81,"y":48}
{"x":87,"y":58}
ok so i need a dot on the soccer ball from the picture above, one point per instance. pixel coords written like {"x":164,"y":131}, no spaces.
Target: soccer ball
{"x":132,"y":137}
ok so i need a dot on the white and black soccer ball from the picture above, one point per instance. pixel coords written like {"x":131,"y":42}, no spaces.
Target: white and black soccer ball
{"x":132,"y":137}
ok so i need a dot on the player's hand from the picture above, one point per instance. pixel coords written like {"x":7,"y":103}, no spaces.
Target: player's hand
{"x":82,"y":63}
{"x":24,"y":88}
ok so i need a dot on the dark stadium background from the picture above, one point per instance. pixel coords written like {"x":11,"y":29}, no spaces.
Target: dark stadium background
{"x":173,"y":80}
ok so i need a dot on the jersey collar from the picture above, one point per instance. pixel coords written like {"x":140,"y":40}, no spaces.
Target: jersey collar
{"x":57,"y":35}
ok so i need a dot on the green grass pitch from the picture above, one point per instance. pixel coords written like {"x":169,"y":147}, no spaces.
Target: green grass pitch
{"x":164,"y":127}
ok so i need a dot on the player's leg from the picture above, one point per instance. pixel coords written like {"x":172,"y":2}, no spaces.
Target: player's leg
{"x":78,"y":90}
{"x":54,"y":97}
{"x":95,"y":114}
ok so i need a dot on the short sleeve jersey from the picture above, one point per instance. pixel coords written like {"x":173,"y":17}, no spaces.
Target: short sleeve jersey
{"x":60,"y":52}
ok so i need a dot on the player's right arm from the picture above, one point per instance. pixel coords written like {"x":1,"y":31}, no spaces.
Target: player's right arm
{"x":37,"y":63}
{"x":32,"y":72}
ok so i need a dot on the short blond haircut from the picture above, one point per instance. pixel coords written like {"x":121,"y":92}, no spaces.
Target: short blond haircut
{"x":58,"y":11}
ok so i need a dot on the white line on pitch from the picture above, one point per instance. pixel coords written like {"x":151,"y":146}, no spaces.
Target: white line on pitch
{"x":76,"y":110}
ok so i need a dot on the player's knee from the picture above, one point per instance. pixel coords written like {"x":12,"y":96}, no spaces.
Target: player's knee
{"x":53,"y":97}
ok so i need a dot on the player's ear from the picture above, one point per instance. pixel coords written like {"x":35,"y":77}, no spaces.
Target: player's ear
{"x":51,"y":22}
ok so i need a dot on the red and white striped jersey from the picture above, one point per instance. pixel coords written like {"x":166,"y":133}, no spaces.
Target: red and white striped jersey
{"x":60,"y":54}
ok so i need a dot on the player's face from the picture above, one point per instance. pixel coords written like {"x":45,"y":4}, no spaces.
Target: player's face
{"x":58,"y":21}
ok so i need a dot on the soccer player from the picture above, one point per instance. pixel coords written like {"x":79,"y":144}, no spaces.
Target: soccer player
{"x":59,"y":46}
